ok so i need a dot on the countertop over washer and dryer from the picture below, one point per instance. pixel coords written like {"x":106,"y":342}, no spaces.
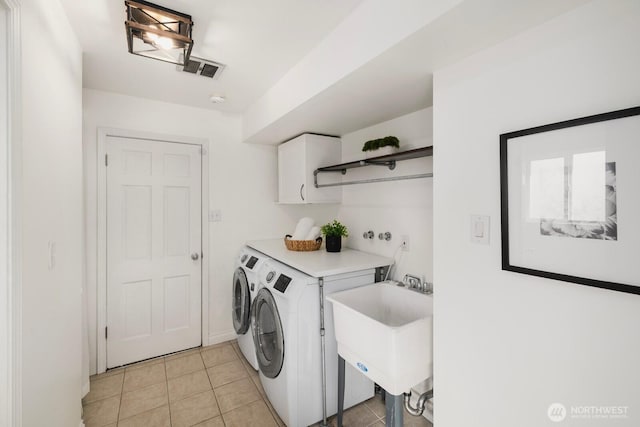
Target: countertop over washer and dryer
{"x":320,"y":263}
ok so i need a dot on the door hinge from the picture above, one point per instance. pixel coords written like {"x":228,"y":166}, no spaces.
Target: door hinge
{"x":106,"y":332}
{"x":203,"y":150}
{"x":106,"y":160}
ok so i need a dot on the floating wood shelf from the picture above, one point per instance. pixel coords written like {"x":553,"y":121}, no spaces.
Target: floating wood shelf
{"x":388,"y":160}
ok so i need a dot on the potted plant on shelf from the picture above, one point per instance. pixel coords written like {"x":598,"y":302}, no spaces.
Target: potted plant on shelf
{"x":334,"y":232}
{"x":381,"y":146}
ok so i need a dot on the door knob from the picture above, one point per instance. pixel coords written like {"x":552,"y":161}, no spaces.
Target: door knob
{"x":195,"y":256}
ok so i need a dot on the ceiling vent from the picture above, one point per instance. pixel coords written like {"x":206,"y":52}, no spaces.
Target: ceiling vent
{"x":202,"y":67}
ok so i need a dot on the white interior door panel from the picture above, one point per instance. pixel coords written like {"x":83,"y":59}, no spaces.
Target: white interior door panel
{"x":153,"y":248}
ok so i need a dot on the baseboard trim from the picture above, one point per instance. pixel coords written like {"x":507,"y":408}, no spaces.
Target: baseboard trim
{"x":221,"y":337}
{"x":86,"y":388}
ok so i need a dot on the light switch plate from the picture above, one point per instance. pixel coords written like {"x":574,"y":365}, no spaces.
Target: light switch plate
{"x":52,"y":255}
{"x":479,"y":230}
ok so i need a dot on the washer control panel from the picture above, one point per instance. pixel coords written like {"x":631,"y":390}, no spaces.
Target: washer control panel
{"x":282,"y":283}
{"x":252,"y":262}
{"x":270,"y":276}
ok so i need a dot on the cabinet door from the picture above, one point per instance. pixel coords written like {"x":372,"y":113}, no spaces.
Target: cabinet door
{"x":322,"y":151}
{"x":291,"y":171}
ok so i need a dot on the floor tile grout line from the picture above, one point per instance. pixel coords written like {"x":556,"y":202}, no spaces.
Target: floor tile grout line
{"x":166,"y":381}
{"x":144,"y":412}
{"x":138,"y":389}
{"x":162,"y":359}
{"x":206,"y":371}
{"x":186,"y":373}
{"x":250,"y":372}
{"x":212,"y":389}
{"x":120,"y":399}
{"x":191,"y":394}
{"x":200,"y":392}
{"x":248,"y":403}
{"x":147,"y":385}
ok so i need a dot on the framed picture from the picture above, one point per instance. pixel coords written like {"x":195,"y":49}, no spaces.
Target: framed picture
{"x":570,"y":194}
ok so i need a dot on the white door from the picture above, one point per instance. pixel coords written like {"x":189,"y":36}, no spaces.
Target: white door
{"x":153,"y":248}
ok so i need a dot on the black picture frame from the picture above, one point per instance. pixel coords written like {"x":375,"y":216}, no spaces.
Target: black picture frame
{"x":506,"y":139}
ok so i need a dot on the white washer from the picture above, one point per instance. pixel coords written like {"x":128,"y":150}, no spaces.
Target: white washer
{"x":245,"y":289}
{"x":285,"y":320}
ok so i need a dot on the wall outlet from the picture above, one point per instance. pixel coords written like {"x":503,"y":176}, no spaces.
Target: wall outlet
{"x":405,"y":242}
{"x":215,"y":215}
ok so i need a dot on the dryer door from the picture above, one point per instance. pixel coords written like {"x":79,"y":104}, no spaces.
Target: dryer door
{"x":241,"y":302}
{"x":267,"y":334}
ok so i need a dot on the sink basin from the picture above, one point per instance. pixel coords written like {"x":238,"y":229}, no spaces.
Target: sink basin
{"x":386,"y":332}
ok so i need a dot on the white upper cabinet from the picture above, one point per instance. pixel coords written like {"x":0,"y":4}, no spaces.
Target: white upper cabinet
{"x":297,"y":159}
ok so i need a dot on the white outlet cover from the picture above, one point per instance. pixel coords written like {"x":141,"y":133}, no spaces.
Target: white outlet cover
{"x":479,"y":230}
{"x":406,"y":244}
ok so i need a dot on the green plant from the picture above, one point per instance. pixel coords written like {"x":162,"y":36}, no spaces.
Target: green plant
{"x":374,"y":144}
{"x":334,"y":229}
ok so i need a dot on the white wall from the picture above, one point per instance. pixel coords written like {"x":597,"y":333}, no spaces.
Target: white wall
{"x":51,"y":212}
{"x":508,"y":345}
{"x":400,"y":207}
{"x":243,"y":185}
{"x":5,"y":323}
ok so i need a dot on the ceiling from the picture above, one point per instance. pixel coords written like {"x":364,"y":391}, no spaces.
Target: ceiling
{"x":257,"y":40}
{"x":265,"y":45}
{"x":399,"y":80}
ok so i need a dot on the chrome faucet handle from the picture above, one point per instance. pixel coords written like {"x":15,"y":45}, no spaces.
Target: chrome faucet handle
{"x":416,"y":284}
{"x":412,"y":282}
{"x":427,"y":287}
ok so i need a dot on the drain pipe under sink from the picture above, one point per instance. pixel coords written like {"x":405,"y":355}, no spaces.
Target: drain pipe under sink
{"x":420,"y":404}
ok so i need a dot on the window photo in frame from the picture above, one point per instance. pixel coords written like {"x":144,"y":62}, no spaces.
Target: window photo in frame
{"x":570,"y":200}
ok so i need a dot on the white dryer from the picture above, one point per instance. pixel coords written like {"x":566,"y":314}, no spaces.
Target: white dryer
{"x":285,"y":320}
{"x":245,"y":289}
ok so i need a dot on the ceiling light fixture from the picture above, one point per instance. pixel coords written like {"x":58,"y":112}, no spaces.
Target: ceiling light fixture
{"x":157,"y":32}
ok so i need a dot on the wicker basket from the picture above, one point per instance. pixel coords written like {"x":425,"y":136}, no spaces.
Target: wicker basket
{"x":302,"y":245}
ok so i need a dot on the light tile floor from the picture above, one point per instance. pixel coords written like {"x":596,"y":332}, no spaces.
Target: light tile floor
{"x":206,"y":387}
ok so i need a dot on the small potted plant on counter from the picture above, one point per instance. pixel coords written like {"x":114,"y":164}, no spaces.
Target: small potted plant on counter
{"x":334,"y":232}
{"x":381,"y":146}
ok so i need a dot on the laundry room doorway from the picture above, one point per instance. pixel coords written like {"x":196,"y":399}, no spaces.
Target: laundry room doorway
{"x":151,"y":254}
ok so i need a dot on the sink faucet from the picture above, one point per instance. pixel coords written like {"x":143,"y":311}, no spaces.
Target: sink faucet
{"x":416,"y":284}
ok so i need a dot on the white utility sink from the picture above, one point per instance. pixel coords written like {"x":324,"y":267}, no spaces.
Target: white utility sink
{"x":385,"y":331}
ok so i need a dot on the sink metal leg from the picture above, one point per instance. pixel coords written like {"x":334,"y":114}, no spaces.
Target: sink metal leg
{"x":393,"y":407}
{"x":340,"y":389}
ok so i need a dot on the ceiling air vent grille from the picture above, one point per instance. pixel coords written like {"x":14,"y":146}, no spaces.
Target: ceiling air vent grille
{"x":202,"y":67}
